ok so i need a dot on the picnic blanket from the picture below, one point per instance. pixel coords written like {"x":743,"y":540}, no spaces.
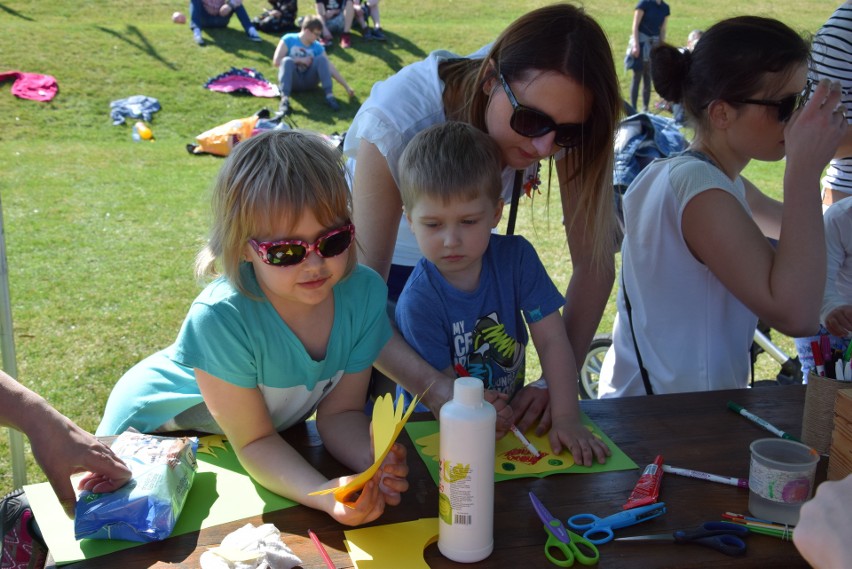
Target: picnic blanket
{"x":33,"y":86}
{"x":245,"y":80}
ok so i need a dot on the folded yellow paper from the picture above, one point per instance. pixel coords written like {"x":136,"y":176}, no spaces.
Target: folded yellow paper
{"x":387,"y":424}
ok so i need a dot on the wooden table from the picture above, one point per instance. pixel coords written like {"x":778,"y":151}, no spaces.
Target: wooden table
{"x":690,"y":430}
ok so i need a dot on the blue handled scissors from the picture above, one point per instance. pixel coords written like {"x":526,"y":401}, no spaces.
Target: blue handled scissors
{"x":570,"y":545}
{"x":599,"y":530}
{"x":721,"y":536}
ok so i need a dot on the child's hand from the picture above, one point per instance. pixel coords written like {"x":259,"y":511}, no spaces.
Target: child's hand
{"x":579,"y":440}
{"x":391,"y":477}
{"x":505,"y":417}
{"x":531,"y":405}
{"x":360,"y":508}
{"x":838,"y":322}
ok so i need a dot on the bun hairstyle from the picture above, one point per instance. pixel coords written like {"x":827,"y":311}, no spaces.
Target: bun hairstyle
{"x":732,"y":62}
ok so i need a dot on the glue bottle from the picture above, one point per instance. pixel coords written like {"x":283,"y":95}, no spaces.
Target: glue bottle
{"x":466,"y":479}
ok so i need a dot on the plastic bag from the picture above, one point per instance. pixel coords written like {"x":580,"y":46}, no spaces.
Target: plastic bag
{"x":221,"y":139}
{"x":147,"y":507}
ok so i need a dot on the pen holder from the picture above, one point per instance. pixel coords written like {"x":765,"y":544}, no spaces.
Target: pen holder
{"x":818,"y":420}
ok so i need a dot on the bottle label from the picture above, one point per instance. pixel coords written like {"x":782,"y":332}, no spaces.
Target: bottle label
{"x":456,"y":496}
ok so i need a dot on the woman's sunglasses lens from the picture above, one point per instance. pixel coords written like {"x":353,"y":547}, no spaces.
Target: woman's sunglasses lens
{"x":531,"y":124}
{"x":285,"y":255}
{"x":335,"y":245}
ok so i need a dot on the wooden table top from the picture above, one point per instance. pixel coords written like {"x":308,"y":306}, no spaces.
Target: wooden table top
{"x":693,"y":430}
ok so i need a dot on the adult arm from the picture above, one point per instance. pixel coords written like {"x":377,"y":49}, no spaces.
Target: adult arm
{"x":60,"y":447}
{"x":721,"y":235}
{"x":822,"y":534}
{"x":335,"y":73}
{"x":321,"y":12}
{"x":766,"y":212}
{"x":637,"y":19}
{"x":663,"y":28}
{"x":272,"y":462}
{"x":280,"y":53}
{"x":591,"y":283}
{"x":836,"y":311}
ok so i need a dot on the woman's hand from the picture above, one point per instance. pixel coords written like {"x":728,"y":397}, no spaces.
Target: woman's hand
{"x":505,"y":416}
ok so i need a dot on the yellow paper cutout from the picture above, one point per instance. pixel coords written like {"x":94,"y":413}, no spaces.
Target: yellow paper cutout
{"x":511,"y":456}
{"x":387,"y":424}
{"x":392,"y":546}
{"x":208,"y":443}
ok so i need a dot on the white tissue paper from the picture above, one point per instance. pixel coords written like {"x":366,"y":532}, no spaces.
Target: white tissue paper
{"x":251,"y":548}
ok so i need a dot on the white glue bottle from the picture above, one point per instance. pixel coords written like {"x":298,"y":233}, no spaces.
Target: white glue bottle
{"x":466,"y":479}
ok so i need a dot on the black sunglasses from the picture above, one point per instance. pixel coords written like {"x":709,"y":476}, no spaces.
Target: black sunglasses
{"x":532,"y":123}
{"x":786,"y":106}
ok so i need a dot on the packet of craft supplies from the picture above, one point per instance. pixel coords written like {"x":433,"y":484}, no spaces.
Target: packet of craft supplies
{"x":147,"y":507}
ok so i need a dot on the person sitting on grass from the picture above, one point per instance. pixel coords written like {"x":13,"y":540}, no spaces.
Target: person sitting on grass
{"x":364,"y":10}
{"x":302,"y":63}
{"x":217,"y":14}
{"x":464,"y":305}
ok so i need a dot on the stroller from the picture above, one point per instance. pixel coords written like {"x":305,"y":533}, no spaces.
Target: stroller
{"x":641,"y":138}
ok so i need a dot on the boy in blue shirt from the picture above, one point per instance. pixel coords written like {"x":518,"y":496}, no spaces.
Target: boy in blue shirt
{"x":302,"y":63}
{"x":465,"y":303}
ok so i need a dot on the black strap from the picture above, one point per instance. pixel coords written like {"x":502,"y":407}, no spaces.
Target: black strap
{"x":516,"y":198}
{"x":645,"y":379}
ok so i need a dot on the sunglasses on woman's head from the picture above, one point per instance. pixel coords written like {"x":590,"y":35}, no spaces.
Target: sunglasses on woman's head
{"x":291,"y":252}
{"x":533,"y":124}
{"x":786,"y":106}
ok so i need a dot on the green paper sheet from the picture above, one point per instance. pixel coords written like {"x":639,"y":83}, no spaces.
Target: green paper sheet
{"x":221,"y":492}
{"x":425,"y":435}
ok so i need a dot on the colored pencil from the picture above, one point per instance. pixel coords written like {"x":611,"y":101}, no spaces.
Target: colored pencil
{"x":323,"y":553}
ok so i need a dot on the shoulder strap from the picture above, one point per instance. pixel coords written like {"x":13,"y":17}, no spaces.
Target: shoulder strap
{"x":516,"y":198}
{"x":645,"y":379}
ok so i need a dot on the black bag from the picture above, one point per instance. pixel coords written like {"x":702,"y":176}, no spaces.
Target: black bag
{"x":279,"y":19}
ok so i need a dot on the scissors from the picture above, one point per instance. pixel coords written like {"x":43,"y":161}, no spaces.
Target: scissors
{"x":599,"y":530}
{"x":570,"y":545}
{"x":721,"y":536}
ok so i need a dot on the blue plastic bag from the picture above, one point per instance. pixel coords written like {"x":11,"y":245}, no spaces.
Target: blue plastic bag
{"x":147,"y":507}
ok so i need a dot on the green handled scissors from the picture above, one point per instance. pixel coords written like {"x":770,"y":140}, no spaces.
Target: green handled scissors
{"x":569,"y":545}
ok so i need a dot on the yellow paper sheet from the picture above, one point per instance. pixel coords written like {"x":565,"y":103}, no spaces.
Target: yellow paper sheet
{"x":221,"y":492}
{"x":392,"y":546}
{"x":387,"y":424}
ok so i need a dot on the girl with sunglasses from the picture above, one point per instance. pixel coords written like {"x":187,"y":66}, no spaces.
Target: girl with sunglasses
{"x":697,"y":267}
{"x":289,"y":327}
{"x":546,"y":89}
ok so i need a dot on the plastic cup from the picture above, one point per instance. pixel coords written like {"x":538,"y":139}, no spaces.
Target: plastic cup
{"x":781,"y":479}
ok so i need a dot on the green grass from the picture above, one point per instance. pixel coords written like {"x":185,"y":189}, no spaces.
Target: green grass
{"x":101,"y":232}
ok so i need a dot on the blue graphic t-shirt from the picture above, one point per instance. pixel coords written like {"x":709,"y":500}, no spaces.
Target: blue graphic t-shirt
{"x":483,"y":330}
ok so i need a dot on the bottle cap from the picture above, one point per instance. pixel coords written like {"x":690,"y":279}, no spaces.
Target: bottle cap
{"x":468,"y":391}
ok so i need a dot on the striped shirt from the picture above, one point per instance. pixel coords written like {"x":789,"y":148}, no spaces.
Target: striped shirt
{"x":832,"y":59}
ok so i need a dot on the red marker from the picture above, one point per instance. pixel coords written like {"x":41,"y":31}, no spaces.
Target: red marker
{"x":819,"y":363}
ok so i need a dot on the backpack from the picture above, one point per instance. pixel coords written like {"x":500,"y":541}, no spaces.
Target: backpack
{"x":279,"y":19}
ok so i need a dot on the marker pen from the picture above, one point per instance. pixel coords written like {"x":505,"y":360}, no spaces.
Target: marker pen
{"x":819,"y":363}
{"x":825,"y":347}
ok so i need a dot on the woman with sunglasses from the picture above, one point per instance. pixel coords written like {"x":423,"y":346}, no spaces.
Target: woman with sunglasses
{"x":289,"y":327}
{"x":697,"y":268}
{"x":546,"y":89}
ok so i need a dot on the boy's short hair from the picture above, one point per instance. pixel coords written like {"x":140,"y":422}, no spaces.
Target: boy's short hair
{"x":312,"y":22}
{"x":450,"y":160}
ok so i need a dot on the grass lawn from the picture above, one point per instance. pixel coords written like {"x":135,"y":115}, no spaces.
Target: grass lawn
{"x":101,"y":232}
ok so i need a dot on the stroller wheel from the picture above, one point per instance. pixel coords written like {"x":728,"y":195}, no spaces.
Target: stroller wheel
{"x":590,"y":372}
